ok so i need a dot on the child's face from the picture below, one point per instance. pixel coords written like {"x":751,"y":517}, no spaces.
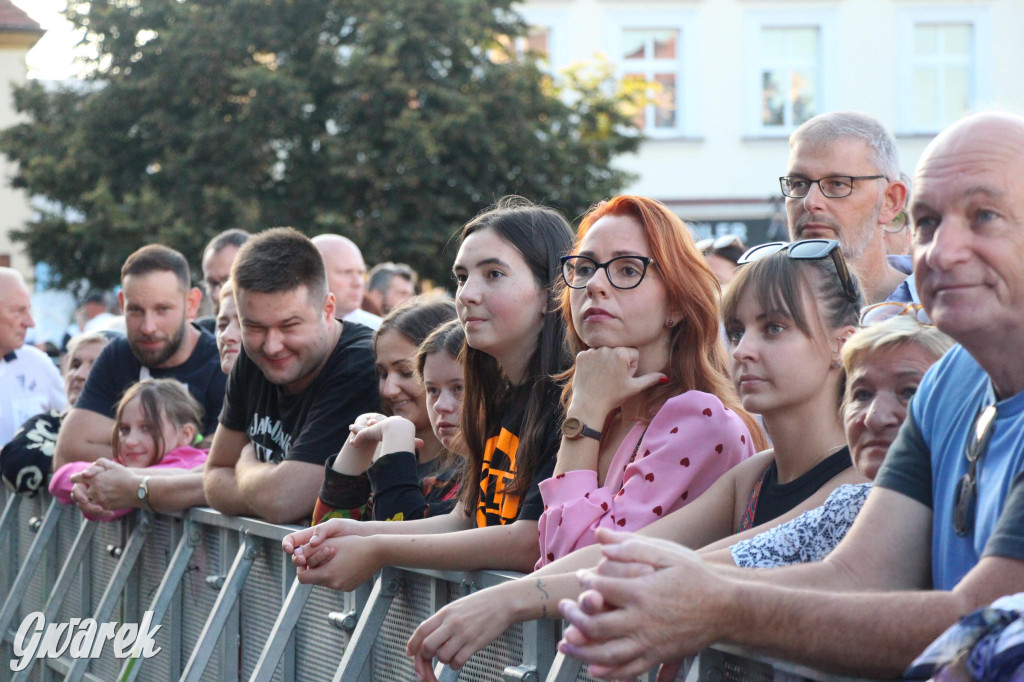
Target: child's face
{"x":138,"y":448}
{"x":442,"y":379}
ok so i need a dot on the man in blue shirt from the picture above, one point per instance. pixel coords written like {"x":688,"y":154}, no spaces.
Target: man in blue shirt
{"x":938,"y":536}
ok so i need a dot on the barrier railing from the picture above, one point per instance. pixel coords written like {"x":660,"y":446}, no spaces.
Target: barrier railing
{"x":228,"y":607}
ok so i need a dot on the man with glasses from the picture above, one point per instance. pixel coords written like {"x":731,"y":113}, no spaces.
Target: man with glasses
{"x":218,"y":256}
{"x":843,"y":182}
{"x":941,"y":534}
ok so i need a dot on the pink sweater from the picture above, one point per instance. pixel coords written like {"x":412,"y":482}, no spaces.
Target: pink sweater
{"x":691,"y":441}
{"x":186,"y":457}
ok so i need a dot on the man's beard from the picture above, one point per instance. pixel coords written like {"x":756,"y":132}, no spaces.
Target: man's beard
{"x":854,"y":240}
{"x":155,"y":358}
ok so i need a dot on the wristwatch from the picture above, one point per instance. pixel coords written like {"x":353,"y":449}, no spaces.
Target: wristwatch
{"x":574,"y":429}
{"x":143,"y":492}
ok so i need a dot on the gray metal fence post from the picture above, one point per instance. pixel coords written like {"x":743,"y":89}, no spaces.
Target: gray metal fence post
{"x":44,"y":535}
{"x":226,"y":600}
{"x":165,"y":592}
{"x":360,"y":645}
{"x":68,"y":571}
{"x":564,"y":669}
{"x":117,"y":582}
{"x":287,"y":619}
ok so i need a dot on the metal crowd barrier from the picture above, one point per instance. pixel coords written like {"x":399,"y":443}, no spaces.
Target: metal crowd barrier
{"x":230,"y":608}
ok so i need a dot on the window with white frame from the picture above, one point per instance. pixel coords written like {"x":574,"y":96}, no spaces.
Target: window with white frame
{"x":546,"y":36}
{"x":789,"y":61}
{"x":651,"y":56}
{"x":790,"y":66}
{"x":659,"y":50}
{"x":941,"y":73}
{"x":536,"y":42}
{"x":945,"y":59}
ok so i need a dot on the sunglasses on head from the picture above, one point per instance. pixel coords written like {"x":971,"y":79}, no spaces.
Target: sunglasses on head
{"x":717,"y":243}
{"x":807,"y":249}
{"x":874,"y":314}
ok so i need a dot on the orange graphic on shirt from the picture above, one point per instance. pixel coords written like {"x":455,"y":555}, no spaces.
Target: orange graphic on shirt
{"x":499,"y":470}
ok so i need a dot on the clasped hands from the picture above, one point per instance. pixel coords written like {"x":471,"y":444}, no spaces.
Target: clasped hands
{"x":104,"y":487}
{"x":333,"y":553}
{"x":639,"y":608}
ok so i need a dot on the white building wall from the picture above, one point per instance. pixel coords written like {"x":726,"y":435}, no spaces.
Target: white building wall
{"x":720,"y":165}
{"x":15,"y":206}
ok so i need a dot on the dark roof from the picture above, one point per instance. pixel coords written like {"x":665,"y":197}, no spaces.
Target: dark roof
{"x":14,"y":19}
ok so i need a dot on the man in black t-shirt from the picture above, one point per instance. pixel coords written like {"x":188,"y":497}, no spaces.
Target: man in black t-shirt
{"x":302,"y":377}
{"x":158,"y":302}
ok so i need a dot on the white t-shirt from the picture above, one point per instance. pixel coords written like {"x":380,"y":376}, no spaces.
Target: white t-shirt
{"x":364,"y":318}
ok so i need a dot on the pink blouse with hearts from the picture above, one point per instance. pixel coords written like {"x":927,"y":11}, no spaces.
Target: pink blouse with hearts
{"x":691,"y":441}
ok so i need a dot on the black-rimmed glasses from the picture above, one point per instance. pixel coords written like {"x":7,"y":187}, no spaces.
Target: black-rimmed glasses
{"x":623,"y":272}
{"x":833,"y":187}
{"x":967,"y":488}
{"x":807,"y":249}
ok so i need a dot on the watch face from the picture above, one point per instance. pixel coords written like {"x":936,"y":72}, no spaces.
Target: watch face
{"x":572,"y":427}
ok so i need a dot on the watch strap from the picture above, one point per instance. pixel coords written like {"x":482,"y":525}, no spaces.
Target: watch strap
{"x":144,"y":493}
{"x":574,"y":429}
{"x":590,"y":433}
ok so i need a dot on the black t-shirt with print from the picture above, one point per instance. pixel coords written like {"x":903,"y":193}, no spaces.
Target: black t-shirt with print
{"x":311,"y":425}
{"x":495,"y":506}
{"x":117,"y":368}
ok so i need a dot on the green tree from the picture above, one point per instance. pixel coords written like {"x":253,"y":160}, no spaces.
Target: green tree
{"x":389,"y":121}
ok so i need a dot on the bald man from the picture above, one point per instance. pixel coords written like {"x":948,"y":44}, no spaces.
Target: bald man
{"x":29,"y":381}
{"x":345,"y":272}
{"x":937,"y":537}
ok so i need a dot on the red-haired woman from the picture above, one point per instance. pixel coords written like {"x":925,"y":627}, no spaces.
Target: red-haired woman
{"x":652,"y":418}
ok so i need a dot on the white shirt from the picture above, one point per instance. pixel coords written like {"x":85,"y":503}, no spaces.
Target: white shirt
{"x":364,"y":318}
{"x":29,"y":384}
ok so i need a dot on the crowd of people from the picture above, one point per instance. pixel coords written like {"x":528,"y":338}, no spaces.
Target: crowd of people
{"x":809,"y":448}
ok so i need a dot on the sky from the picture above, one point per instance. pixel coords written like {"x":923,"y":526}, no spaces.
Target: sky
{"x":52,"y":57}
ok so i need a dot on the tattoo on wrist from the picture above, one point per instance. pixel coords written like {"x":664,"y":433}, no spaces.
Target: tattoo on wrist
{"x":543,"y":590}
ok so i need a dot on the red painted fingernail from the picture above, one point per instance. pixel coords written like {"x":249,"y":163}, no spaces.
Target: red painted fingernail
{"x":663,"y":380}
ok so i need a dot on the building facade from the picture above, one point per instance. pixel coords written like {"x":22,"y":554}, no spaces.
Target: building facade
{"x":18,"y":33}
{"x":733,"y":78}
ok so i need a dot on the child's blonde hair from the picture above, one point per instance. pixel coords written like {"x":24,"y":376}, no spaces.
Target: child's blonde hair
{"x":167,"y":396}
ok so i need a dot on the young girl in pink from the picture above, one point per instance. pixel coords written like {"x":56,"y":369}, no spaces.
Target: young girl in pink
{"x":155,"y":425}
